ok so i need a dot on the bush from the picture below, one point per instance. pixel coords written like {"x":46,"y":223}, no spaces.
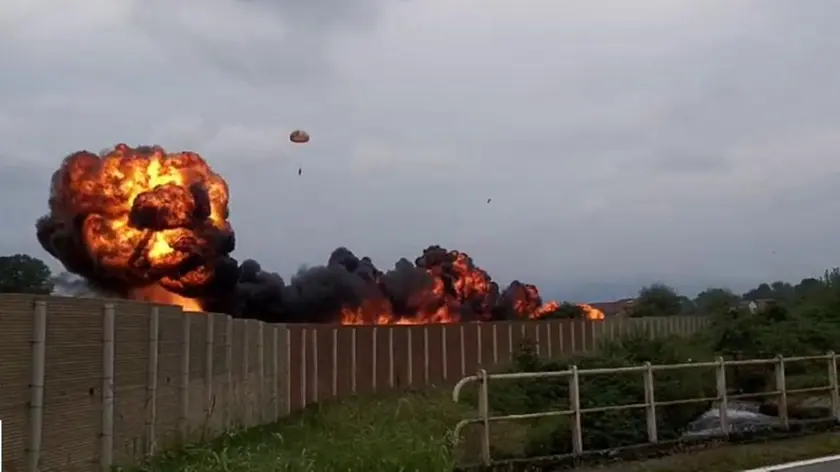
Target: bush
{"x":605,"y":429}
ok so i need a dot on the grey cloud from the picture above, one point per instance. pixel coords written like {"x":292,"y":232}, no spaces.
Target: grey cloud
{"x":682,"y":141}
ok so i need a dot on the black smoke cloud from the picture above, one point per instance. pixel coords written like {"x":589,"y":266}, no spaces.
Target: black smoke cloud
{"x":317,"y":294}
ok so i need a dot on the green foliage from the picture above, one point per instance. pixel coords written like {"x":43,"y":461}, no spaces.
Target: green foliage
{"x":657,"y":300}
{"x":716,"y":300}
{"x":792,"y":320}
{"x":382,"y":433}
{"x":609,"y":429}
{"x":20,"y":273}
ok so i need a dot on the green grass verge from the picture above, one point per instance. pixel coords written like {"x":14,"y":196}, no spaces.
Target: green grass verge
{"x":412,"y":433}
{"x":406,"y":433}
{"x":735,"y":458}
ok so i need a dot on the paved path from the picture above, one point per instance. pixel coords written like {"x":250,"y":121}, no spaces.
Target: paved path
{"x":823,"y":464}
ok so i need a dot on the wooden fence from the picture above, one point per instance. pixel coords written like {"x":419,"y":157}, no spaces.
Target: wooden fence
{"x":88,"y":383}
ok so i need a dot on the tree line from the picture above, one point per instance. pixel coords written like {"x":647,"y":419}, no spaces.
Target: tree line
{"x":22,"y":273}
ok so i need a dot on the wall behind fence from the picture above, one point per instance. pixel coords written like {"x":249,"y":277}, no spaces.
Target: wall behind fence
{"x":86,"y":383}
{"x":329,"y":361}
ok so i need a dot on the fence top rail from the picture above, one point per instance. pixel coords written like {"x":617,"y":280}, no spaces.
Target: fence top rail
{"x":647,"y":366}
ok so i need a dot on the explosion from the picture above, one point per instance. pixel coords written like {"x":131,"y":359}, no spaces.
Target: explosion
{"x":148,"y":225}
{"x":140,"y":223}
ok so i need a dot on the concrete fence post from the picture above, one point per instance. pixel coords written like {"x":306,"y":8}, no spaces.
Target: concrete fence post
{"x":36,"y":386}
{"x":353,"y":366}
{"x":334,"y":362}
{"x":184,"y":384}
{"x":261,"y":372}
{"x":209,"y":399}
{"x":316,"y":375}
{"x":106,"y":434}
{"x":229,"y":406}
{"x":443,"y":354}
{"x":462,"y":350}
{"x":275,"y":368}
{"x":374,"y":358}
{"x":152,"y":381}
{"x":304,"y":369}
{"x":426,"y":379}
{"x":410,"y":355}
{"x":391,"y":373}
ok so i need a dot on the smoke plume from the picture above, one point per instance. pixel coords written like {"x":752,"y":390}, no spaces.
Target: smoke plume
{"x":149,"y":225}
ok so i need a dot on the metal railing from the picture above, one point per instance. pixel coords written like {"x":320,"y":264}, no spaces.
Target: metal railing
{"x":575,"y":412}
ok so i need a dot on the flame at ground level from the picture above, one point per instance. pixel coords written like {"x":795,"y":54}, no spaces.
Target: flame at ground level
{"x":358,"y":316}
{"x":158,"y":294}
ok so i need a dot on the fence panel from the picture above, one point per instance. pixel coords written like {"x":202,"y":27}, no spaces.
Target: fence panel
{"x":82,"y":387}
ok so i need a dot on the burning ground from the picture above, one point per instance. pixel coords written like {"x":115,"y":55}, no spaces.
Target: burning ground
{"x":145,"y":224}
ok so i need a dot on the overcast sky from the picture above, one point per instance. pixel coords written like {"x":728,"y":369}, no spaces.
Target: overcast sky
{"x":622,"y":142}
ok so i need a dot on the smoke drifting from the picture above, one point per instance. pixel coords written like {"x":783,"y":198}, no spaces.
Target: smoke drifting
{"x":145,"y":224}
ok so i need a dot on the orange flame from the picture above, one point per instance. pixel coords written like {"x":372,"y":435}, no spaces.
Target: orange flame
{"x":149,"y":218}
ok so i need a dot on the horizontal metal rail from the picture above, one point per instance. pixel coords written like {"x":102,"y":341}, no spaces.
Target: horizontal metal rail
{"x":573,"y":374}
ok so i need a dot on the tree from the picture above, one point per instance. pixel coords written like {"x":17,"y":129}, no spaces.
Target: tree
{"x":763,"y":291}
{"x":716,"y":300}
{"x":21,"y":273}
{"x":657,"y":300}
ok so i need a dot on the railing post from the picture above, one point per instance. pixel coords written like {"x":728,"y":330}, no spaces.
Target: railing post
{"x":723,"y":403}
{"x":832,"y":382}
{"x":781,"y":387}
{"x":650,"y":399}
{"x":574,"y":400}
{"x":484,"y":415}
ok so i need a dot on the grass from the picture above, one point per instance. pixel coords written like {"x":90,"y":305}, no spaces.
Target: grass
{"x":735,"y":458}
{"x":412,"y":433}
{"x":407,"y":433}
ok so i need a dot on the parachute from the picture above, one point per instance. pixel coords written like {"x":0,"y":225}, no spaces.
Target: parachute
{"x":299,"y":137}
